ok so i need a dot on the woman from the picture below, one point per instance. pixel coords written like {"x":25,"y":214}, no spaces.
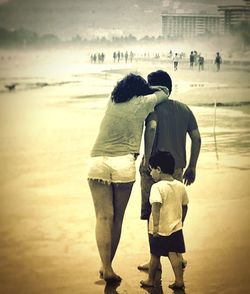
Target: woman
{"x":112,"y":165}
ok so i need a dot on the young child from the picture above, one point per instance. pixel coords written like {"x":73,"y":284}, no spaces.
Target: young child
{"x":169,"y":200}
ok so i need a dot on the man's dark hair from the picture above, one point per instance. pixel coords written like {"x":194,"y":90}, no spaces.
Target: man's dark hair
{"x":130,"y":86}
{"x":160,"y":78}
{"x":164,"y":160}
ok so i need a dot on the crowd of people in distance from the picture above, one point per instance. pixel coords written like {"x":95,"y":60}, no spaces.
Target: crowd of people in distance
{"x":119,"y":56}
{"x":196,"y":60}
{"x":97,"y":57}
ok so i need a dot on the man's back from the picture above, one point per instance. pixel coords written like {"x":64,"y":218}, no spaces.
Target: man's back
{"x":174,"y":121}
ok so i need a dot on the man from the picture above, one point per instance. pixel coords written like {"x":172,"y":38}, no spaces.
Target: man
{"x":218,"y":61}
{"x":201,"y":62}
{"x":191,"y":60}
{"x":166,"y":130}
{"x":176,"y":61}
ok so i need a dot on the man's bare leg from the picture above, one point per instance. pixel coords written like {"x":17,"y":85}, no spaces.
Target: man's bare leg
{"x":153,"y":268}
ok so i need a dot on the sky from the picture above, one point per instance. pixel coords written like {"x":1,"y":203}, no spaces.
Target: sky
{"x":91,"y":18}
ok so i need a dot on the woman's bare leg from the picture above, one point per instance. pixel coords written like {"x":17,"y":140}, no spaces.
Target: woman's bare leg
{"x":102,"y":194}
{"x":121,"y":195}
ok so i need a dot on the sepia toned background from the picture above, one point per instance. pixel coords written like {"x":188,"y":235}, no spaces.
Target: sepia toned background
{"x":52,"y":100}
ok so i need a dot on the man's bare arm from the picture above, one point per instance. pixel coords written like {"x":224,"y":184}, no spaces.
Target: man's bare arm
{"x":149,"y":137}
{"x":184,"y":212}
{"x":189,"y":175}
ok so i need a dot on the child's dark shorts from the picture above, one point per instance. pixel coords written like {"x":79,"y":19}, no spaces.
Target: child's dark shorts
{"x":162,"y":245}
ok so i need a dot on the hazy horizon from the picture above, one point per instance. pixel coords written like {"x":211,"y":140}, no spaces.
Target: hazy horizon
{"x":97,"y":18}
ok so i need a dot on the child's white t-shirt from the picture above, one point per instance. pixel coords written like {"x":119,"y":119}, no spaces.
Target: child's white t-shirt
{"x":172,"y":195}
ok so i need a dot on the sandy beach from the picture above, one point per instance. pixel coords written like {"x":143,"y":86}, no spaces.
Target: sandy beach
{"x":47,"y":128}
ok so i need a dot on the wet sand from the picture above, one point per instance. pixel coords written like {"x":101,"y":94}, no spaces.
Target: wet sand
{"x":47,"y":216}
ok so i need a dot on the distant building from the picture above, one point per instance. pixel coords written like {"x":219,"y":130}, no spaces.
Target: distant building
{"x":235,"y":14}
{"x":180,"y":25}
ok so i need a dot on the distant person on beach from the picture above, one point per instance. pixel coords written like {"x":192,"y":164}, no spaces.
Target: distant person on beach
{"x":191,"y":60}
{"x":102,"y":57}
{"x":126,"y":56}
{"x":99,"y":57}
{"x":195,"y":58}
{"x":131,"y":56}
{"x":201,"y":62}
{"x":114,"y":56}
{"x":165,"y":130}
{"x":169,"y":201}
{"x":218,"y":61}
{"x":111,"y":173}
{"x":91,"y":58}
{"x":176,"y":61}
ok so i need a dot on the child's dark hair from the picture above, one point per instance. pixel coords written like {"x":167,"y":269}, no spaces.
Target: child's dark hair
{"x":160,"y":78}
{"x":130,"y":86}
{"x":164,"y":160}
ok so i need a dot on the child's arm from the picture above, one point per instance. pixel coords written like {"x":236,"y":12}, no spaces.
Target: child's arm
{"x":184,"y":204}
{"x":156,"y":207}
{"x":184,"y":212}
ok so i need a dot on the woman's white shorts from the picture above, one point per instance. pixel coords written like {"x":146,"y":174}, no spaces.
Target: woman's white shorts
{"x":117,"y":169}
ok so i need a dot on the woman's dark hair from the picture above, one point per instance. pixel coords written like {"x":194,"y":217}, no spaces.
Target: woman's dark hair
{"x":130,"y":86}
{"x":160,"y":78}
{"x":164,"y":160}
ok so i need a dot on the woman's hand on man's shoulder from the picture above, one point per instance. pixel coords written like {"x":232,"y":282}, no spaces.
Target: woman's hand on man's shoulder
{"x":160,"y":88}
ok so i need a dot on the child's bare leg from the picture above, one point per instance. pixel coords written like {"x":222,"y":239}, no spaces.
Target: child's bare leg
{"x":153,"y":267}
{"x":176,"y":263}
{"x":184,"y":262}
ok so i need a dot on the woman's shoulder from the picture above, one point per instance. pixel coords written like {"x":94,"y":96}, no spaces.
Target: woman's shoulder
{"x":178,"y":183}
{"x":142,"y":99}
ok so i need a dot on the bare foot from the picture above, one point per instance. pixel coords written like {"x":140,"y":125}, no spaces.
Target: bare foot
{"x":147,"y":283}
{"x":111,"y":276}
{"x":176,"y":286}
{"x":143,"y":267}
{"x":101,"y":273}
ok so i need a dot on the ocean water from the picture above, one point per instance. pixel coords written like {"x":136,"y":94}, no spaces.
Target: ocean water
{"x":221,"y":104}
